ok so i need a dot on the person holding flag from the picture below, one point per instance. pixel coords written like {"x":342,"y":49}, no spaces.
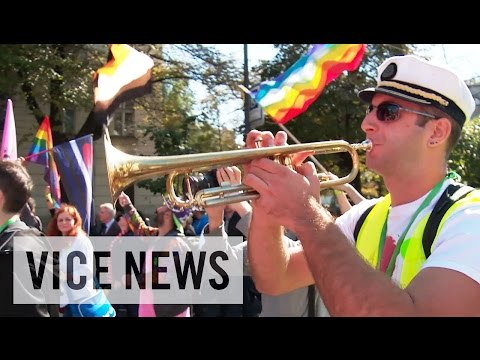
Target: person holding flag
{"x":386,"y":262}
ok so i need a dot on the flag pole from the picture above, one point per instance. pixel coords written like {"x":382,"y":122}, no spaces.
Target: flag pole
{"x":313,"y":158}
{"x":46,"y":150}
{"x":36,"y":154}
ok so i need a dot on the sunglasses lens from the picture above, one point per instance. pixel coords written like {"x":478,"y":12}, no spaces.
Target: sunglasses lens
{"x":388,"y":112}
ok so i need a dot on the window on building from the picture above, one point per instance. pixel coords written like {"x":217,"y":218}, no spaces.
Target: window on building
{"x":122,"y":123}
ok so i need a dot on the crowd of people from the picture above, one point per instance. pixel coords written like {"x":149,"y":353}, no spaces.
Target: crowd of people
{"x":390,"y":256}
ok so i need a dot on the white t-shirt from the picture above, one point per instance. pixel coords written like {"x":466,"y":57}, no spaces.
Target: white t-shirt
{"x":456,"y":247}
{"x":82,"y":244}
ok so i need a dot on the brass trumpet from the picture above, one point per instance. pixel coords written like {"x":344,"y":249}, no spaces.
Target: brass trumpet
{"x":124,"y":169}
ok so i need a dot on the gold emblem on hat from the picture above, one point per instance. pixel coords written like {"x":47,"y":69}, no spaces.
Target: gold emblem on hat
{"x":413,"y":91}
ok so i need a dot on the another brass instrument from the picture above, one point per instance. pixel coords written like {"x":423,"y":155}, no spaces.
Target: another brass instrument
{"x":124,"y":169}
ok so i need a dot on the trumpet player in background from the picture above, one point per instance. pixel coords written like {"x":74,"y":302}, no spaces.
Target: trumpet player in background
{"x":414,"y":118}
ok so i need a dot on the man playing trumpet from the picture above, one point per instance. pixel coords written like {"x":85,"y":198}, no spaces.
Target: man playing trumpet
{"x":414,"y":118}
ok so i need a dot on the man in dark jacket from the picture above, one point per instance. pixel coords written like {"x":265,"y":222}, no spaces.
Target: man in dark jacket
{"x":15,"y":189}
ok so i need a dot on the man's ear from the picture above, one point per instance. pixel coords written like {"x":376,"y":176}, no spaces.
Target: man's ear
{"x":440,"y":131}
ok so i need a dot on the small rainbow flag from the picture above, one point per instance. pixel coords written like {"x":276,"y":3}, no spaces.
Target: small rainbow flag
{"x":291,"y":93}
{"x":43,"y":141}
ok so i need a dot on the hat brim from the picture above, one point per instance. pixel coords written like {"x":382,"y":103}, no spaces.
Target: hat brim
{"x":367,"y":95}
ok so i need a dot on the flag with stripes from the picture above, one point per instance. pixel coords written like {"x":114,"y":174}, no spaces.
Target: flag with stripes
{"x":126,"y":76}
{"x":292,"y":92}
{"x":74,"y":161}
{"x":40,"y":155}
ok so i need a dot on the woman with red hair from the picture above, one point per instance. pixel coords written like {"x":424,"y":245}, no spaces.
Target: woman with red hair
{"x":67,"y":222}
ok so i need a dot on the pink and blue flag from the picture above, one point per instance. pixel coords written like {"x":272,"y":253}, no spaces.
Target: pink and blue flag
{"x":8,"y":148}
{"x":291,"y":93}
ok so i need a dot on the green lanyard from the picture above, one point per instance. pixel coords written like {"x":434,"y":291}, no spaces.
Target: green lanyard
{"x":425,"y":203}
{"x":7,"y":223}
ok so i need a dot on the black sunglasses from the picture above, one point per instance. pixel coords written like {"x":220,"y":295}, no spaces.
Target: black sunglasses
{"x":391,"y":111}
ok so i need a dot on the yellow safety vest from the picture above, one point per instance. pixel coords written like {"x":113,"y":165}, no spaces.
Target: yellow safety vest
{"x":411,"y":250}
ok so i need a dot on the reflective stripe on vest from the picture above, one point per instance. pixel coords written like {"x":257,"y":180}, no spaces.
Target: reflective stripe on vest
{"x":412,"y":248}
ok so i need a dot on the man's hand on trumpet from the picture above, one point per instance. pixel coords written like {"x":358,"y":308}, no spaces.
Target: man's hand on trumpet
{"x":256,"y":139}
{"x":284,"y":194}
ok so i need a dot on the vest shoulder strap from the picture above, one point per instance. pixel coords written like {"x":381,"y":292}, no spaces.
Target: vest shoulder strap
{"x":452,"y":194}
{"x":360,"y":222}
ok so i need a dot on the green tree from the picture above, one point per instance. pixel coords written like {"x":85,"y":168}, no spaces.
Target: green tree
{"x":175,"y":132}
{"x":53,"y":77}
{"x":466,"y":155}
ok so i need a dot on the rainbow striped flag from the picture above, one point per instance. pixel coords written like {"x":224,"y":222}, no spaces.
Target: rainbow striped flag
{"x":291,"y":93}
{"x":42,"y":145}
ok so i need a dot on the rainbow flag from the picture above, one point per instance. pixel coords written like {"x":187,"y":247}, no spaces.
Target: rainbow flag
{"x":291,"y":93}
{"x":43,"y":141}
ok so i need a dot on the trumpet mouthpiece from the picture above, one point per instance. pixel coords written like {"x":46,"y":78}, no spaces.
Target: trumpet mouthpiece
{"x":366,"y":145}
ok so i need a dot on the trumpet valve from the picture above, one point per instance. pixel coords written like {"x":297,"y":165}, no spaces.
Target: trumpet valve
{"x":285,"y":161}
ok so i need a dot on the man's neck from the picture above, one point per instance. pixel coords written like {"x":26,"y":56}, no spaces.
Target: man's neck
{"x":405,"y":189}
{"x":4,"y":217}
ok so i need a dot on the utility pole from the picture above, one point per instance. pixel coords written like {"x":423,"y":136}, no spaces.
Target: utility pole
{"x":246,"y":83}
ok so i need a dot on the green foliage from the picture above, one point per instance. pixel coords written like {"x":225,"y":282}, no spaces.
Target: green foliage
{"x":172,"y":122}
{"x":179,"y":66}
{"x":178,"y":133}
{"x":51,"y":78}
{"x":38,"y":65}
{"x":466,"y":155}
